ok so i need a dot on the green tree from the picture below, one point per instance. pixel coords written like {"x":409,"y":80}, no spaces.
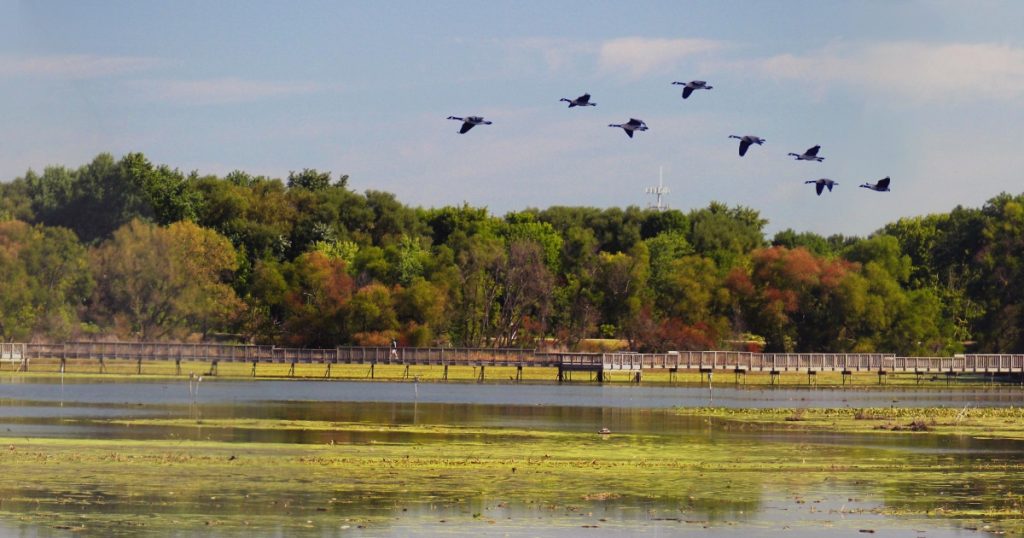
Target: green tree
{"x":312,"y":180}
{"x":726,"y":234}
{"x":371,"y":315}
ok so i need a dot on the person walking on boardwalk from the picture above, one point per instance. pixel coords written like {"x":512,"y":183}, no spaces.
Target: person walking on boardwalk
{"x":394,"y":348}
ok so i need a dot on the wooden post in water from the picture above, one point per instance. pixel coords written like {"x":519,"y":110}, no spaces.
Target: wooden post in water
{"x":254,"y":367}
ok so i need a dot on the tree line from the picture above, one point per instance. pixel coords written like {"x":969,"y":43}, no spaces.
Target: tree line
{"x":123,"y":248}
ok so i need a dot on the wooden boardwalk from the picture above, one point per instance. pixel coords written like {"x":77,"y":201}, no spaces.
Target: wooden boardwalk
{"x":706,"y":362}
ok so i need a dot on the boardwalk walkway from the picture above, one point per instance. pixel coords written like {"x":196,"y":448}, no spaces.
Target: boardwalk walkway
{"x":599,"y":363}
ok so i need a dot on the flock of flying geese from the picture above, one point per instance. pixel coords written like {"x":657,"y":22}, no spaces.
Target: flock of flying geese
{"x":746,"y":141}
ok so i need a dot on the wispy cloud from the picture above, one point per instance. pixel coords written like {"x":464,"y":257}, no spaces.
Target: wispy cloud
{"x":626,"y":56}
{"x":75,"y":66}
{"x":556,"y":53}
{"x":638,"y":56}
{"x":225,"y":90}
{"x":920,"y":71}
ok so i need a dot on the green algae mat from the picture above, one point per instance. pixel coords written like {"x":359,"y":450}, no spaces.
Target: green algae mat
{"x":518,"y":478}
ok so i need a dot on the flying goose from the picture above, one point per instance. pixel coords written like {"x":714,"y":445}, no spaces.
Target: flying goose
{"x":881,"y":186}
{"x":583,"y":100}
{"x":632,"y":125}
{"x":810,"y":155}
{"x":469,"y":122}
{"x":820,"y":184}
{"x":693,"y":85}
{"x":746,"y":141}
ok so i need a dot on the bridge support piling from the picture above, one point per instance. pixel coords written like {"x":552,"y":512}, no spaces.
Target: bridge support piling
{"x":601,"y":377}
{"x":740,"y":373}
{"x":638,"y":376}
{"x":481,"y":379}
{"x":177,"y":366}
{"x":882,"y":377}
{"x":138,"y":369}
{"x":950,"y":376}
{"x":372,"y":365}
{"x":773,"y":377}
{"x":847,"y":376}
{"x":812,"y":377}
{"x":405,"y":373}
{"x":519,"y":373}
{"x":254,"y":368}
{"x":103,"y":367}
{"x":445,"y":375}
{"x":291,"y":369}
{"x":213,"y":368}
{"x":327,"y":373}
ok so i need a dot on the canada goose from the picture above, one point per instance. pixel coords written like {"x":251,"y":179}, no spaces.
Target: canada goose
{"x":810,"y":155}
{"x":632,"y":125}
{"x":583,"y":100}
{"x":746,"y":141}
{"x":469,"y":122}
{"x":693,"y":85}
{"x":881,"y":186}
{"x":820,"y":184}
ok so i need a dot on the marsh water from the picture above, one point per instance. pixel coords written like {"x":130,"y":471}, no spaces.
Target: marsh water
{"x":47,"y":408}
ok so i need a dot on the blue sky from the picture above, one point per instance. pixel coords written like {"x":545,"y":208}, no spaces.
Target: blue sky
{"x":929,"y":93}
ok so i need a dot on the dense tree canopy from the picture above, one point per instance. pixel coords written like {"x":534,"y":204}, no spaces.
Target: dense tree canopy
{"x":127,"y":249}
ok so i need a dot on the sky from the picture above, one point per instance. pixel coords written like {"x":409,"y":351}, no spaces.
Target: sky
{"x":930,"y":93}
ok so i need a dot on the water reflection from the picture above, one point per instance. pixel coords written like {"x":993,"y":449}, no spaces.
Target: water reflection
{"x":128,"y":391}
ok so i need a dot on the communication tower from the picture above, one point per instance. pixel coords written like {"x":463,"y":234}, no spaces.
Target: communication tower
{"x":658,"y":191}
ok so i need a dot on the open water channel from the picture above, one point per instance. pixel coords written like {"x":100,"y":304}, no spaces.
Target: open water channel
{"x":47,"y":408}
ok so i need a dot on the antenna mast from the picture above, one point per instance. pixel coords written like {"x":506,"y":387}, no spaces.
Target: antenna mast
{"x":658,"y":191}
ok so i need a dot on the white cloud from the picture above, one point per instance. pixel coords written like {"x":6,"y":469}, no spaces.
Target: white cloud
{"x":638,"y":56}
{"x":76,"y":66}
{"x":919,"y":71}
{"x":222,"y":90}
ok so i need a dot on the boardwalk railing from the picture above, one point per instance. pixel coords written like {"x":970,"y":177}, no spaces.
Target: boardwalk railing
{"x":676,"y":361}
{"x":14,"y":354}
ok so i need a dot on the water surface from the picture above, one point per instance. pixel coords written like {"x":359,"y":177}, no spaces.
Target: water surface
{"x":642,"y":416}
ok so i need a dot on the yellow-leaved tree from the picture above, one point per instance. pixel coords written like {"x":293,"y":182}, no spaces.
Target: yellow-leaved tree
{"x":157,"y":282}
